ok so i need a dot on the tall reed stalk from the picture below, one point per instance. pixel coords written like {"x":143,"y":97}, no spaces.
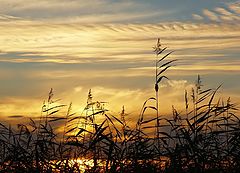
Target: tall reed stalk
{"x":161,"y":66}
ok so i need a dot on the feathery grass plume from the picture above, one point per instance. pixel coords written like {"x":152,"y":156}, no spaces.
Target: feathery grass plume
{"x":161,"y":65}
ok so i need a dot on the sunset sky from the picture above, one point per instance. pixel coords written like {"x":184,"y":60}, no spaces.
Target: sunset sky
{"x":106,"y":45}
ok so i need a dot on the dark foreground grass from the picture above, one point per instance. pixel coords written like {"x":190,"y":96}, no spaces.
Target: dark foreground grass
{"x":205,"y":138}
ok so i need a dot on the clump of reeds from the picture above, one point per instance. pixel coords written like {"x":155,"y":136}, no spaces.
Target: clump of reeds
{"x":203,"y":138}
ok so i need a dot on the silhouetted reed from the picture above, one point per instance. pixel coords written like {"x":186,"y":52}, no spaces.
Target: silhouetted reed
{"x":203,"y":138}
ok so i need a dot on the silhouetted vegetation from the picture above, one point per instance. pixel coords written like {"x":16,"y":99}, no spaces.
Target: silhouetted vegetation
{"x":203,"y":138}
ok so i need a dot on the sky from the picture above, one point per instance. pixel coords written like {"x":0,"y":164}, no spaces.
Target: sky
{"x":106,"y":46}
